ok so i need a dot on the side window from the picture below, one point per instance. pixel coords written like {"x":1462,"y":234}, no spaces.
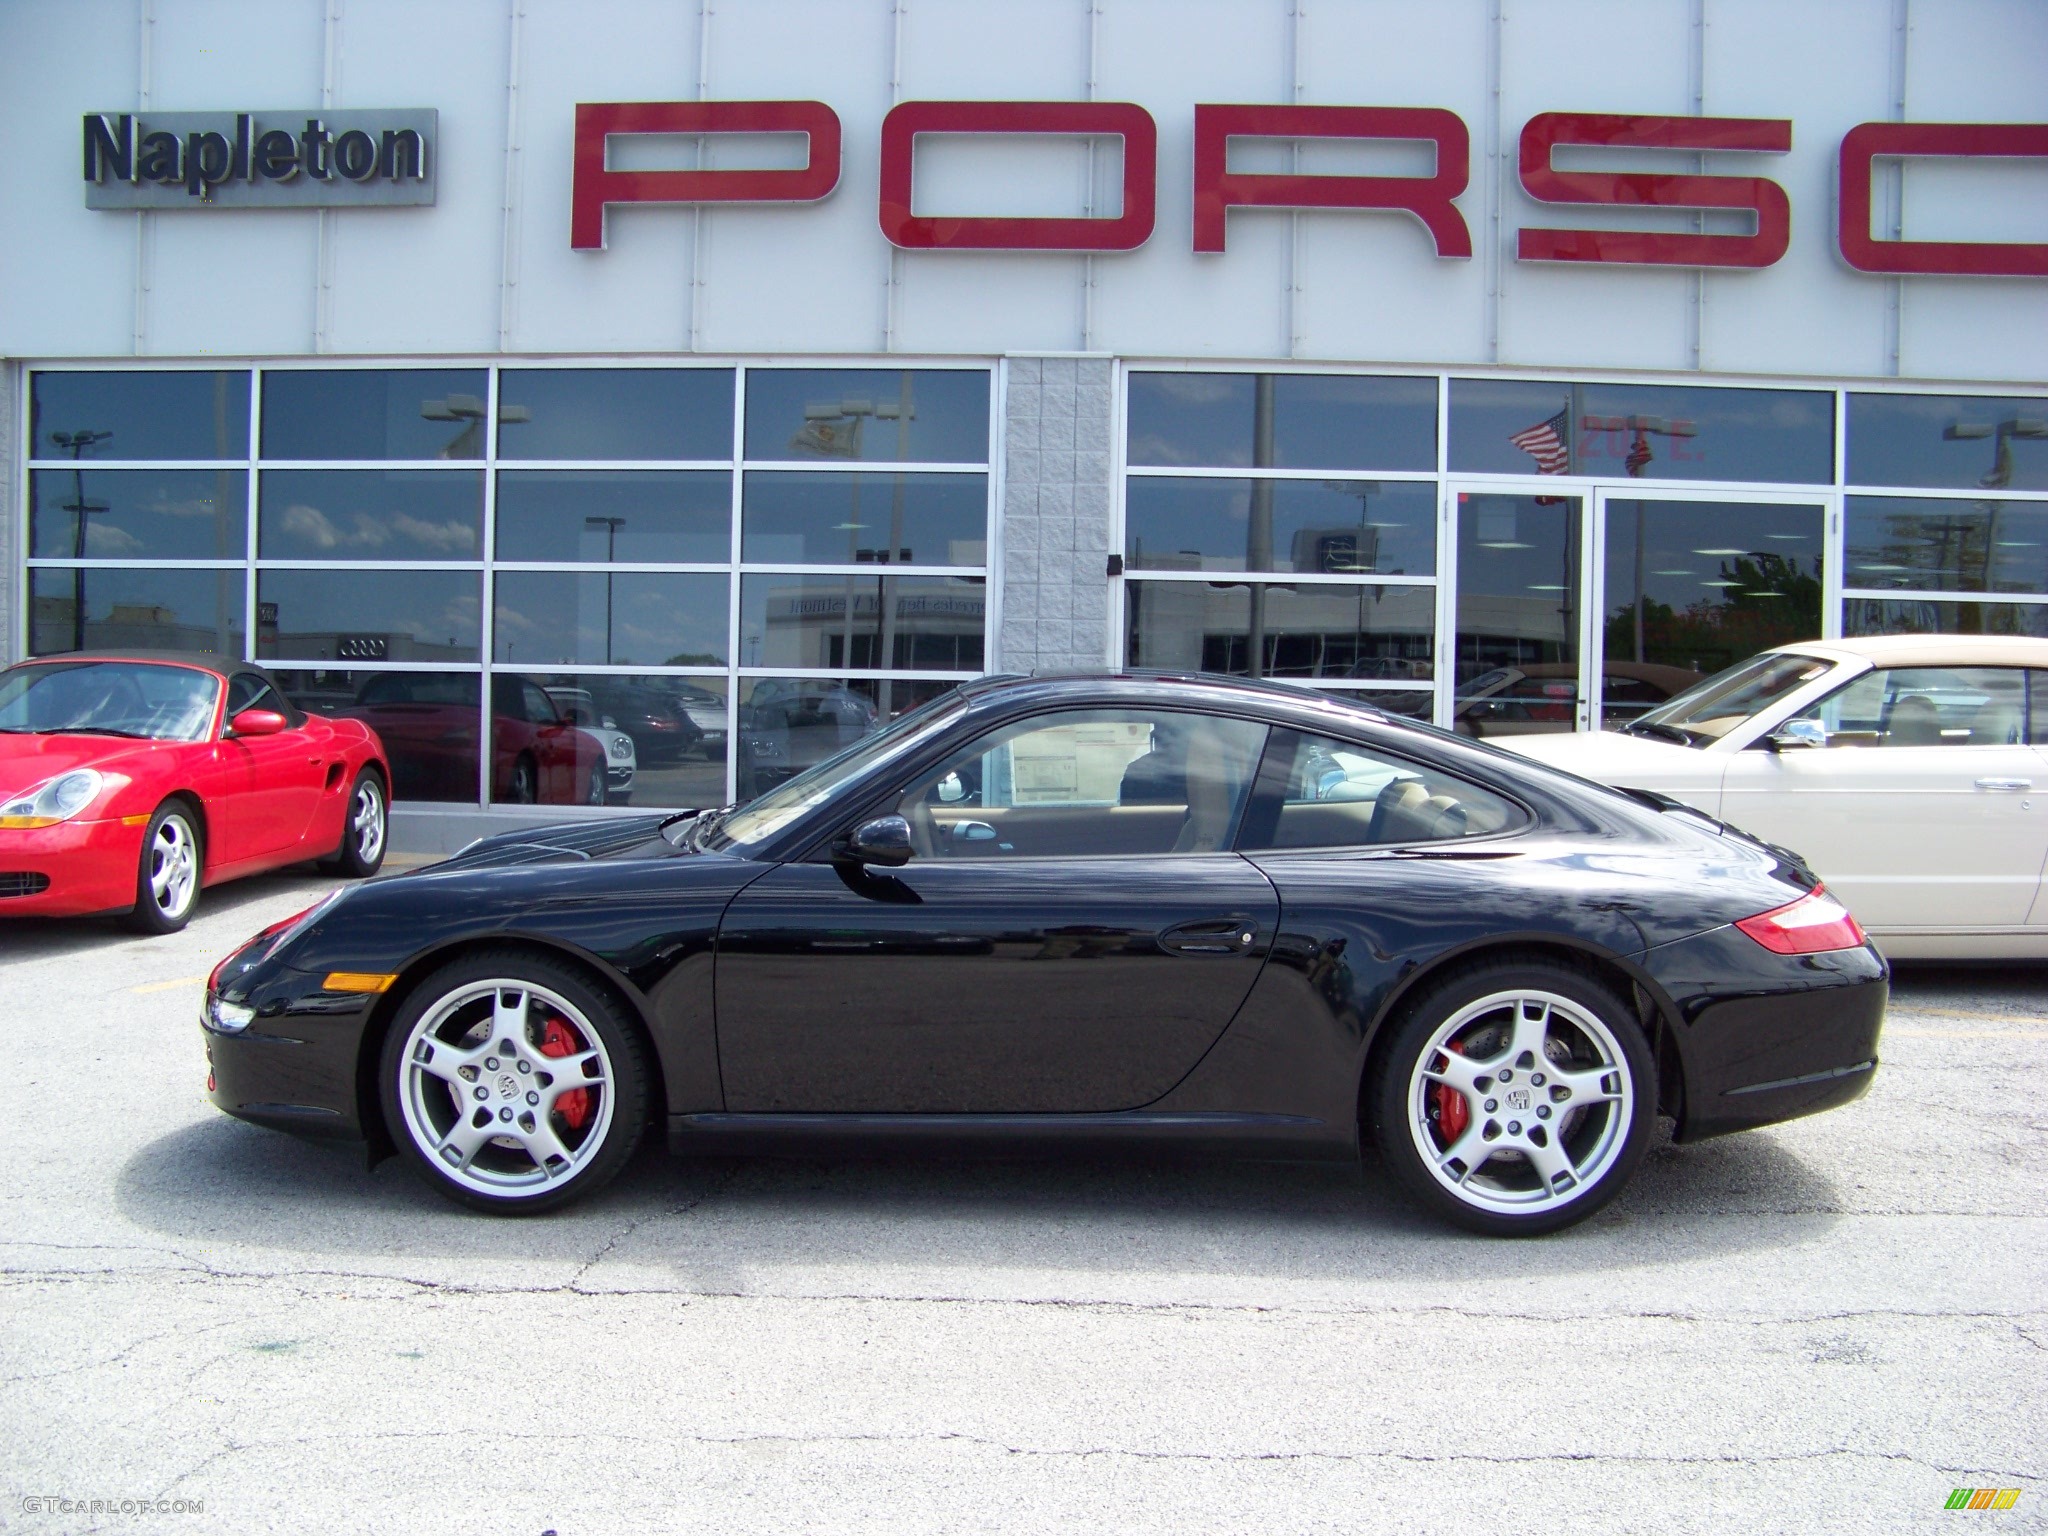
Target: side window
{"x":540,"y":709}
{"x":1925,"y":707}
{"x":243,"y":688}
{"x":1094,"y":781}
{"x":1318,"y":792}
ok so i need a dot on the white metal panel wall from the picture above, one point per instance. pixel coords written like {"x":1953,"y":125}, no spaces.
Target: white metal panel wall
{"x":474,"y":274}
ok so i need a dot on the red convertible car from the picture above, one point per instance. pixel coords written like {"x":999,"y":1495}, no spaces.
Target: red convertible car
{"x":129,"y":781}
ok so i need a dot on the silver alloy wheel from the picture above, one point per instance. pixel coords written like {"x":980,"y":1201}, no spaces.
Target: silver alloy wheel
{"x":173,"y":867}
{"x":366,"y":820}
{"x":1549,"y":1100}
{"x":481,"y":1099}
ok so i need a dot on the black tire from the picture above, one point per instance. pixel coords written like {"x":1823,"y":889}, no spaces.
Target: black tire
{"x":172,"y":866}
{"x":447,"y":1124}
{"x":593,"y":789}
{"x":360,"y":853}
{"x":525,"y":788}
{"x":1581,"y":1117}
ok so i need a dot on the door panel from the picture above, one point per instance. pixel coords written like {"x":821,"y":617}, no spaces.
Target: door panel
{"x":967,"y":986}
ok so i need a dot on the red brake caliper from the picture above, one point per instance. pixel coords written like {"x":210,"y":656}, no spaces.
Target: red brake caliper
{"x":1453,"y":1114}
{"x":557,"y":1039}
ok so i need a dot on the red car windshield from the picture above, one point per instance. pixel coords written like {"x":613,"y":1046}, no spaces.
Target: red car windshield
{"x":144,"y":700}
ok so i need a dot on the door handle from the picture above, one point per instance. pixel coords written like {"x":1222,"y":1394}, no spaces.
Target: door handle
{"x":1211,"y":936}
{"x":2006,"y":786}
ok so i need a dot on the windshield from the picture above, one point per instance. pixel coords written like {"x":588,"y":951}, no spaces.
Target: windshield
{"x":1710,"y":710}
{"x":108,"y":698}
{"x":760,"y":819}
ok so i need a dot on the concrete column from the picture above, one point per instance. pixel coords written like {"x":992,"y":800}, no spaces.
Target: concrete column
{"x":1055,"y":523}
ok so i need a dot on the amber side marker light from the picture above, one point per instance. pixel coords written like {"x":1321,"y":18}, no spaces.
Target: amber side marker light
{"x":357,"y":981}
{"x":1816,"y":922}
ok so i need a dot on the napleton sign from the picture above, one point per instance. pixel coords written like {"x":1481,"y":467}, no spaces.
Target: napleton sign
{"x":307,"y":159}
{"x":1431,"y":199}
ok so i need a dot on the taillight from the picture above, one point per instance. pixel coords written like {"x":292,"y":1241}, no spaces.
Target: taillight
{"x":1813,"y":923}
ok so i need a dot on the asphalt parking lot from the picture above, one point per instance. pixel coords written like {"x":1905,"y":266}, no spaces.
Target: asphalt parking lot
{"x":1825,"y":1326}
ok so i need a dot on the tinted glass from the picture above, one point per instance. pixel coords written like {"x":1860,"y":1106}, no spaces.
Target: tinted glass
{"x":1318,"y":792}
{"x":369,"y":514}
{"x":615,"y":413}
{"x":789,"y":724}
{"x":1916,"y":544}
{"x":1714,"y":706}
{"x":1642,"y":431}
{"x":1925,"y":707}
{"x":1296,"y":421}
{"x":139,"y":514}
{"x":374,"y":413}
{"x":429,"y":723}
{"x":1382,"y":528}
{"x":675,"y":731}
{"x":1876,"y":616}
{"x":1959,"y":442}
{"x":105,"y":610}
{"x":610,"y":618}
{"x":911,"y":623}
{"x":923,"y":416}
{"x":1328,"y":630}
{"x":1518,"y":614}
{"x":1088,"y":782}
{"x":1696,"y":586}
{"x":162,"y":703}
{"x":788,"y":518}
{"x":632,"y":516}
{"x":140,"y":415}
{"x":368,"y":615}
{"x":1409,"y":703}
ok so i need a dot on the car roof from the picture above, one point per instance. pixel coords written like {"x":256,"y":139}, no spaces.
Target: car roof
{"x":1183,"y":689}
{"x":1932,"y":650}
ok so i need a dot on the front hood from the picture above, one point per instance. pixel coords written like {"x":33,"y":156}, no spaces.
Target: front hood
{"x":26,"y":761}
{"x":571,"y":842}
{"x":1608,"y":757}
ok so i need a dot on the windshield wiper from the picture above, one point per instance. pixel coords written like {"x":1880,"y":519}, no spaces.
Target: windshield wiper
{"x":102,"y":730}
{"x":1658,"y":730}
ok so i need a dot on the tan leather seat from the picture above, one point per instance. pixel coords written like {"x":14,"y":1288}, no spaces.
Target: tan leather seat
{"x":1915,"y":722}
{"x":1209,"y":797}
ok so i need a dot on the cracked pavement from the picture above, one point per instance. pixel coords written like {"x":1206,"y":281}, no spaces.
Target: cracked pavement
{"x":1827,"y":1325}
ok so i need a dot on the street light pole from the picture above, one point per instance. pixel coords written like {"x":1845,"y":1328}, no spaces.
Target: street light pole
{"x":611,"y":527}
{"x":80,"y":509}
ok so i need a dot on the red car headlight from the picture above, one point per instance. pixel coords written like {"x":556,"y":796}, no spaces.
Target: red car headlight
{"x":1808,"y":926}
{"x":55,"y":800}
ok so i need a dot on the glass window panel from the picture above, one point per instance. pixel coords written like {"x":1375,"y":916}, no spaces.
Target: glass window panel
{"x":1309,"y":421}
{"x":119,"y":415}
{"x":1518,"y":614}
{"x":903,"y":623}
{"x":105,"y":610}
{"x":1328,"y":630}
{"x":788,"y":518}
{"x":788,"y":724}
{"x":664,"y":737}
{"x":1924,"y":707}
{"x":615,"y":413}
{"x":374,"y":413}
{"x":369,"y":514}
{"x":1335,"y":794}
{"x":922,"y":416}
{"x":631,"y":516}
{"x":368,"y":615}
{"x":609,"y":618}
{"x":1919,"y":544}
{"x":1878,"y":616}
{"x":428,"y":722}
{"x":1381,"y":528}
{"x":1642,"y":431}
{"x":139,"y":514}
{"x":1409,"y":703}
{"x":1959,"y":442}
{"x":1696,"y":586}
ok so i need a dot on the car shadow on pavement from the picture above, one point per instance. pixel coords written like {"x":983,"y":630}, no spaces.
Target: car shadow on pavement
{"x":219,"y":1186}
{"x":43,"y":938}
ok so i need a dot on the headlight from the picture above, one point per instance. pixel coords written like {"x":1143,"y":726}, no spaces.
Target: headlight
{"x":228,"y":1018}
{"x":58,"y":800}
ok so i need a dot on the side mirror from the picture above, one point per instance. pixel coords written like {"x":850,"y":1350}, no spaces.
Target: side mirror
{"x":258,"y":722}
{"x":1795,"y":735}
{"x":884,"y":841}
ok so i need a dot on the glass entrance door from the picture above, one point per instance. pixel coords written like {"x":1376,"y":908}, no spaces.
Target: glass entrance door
{"x":1685,"y":585}
{"x":1519,"y":630}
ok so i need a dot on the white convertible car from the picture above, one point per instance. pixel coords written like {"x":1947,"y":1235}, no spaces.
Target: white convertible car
{"x":1910,"y":772}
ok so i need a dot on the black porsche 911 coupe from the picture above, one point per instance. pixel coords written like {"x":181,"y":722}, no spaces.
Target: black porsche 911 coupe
{"x":1086,"y":910}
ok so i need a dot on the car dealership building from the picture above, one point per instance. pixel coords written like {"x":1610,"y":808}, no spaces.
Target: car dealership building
{"x":750,"y":373}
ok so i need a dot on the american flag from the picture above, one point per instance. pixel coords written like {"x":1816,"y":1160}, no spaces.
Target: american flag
{"x":1545,"y":442}
{"x":1639,"y":454}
